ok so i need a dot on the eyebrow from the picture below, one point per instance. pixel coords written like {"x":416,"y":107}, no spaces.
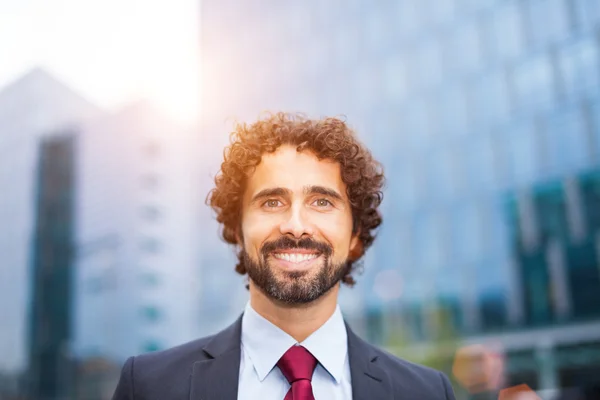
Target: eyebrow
{"x":324,"y":191}
{"x":313,"y":189}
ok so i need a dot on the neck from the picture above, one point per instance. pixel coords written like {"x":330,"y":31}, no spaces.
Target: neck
{"x":297,"y":320}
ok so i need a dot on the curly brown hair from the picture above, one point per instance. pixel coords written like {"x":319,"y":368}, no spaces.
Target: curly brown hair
{"x":328,"y":138}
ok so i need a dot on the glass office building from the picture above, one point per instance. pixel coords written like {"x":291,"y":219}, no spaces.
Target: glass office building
{"x":52,"y":269}
{"x":486,"y":117}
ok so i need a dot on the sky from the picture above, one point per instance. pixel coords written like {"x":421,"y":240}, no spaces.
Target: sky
{"x":113,"y":52}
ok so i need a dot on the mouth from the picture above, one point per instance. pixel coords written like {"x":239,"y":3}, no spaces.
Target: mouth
{"x":295,"y":259}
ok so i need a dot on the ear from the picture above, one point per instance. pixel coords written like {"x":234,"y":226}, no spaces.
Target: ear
{"x":356,"y":247}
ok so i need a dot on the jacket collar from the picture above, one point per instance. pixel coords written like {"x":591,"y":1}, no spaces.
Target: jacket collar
{"x":217,"y":376}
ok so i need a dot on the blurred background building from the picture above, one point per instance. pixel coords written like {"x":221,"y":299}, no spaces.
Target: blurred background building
{"x":485,"y":116}
{"x":99,"y":256}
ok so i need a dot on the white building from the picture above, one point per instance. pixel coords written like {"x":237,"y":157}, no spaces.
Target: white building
{"x":136,"y":281}
{"x":135,"y":285}
{"x":32,"y":107}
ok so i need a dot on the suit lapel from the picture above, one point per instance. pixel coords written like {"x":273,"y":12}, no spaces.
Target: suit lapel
{"x":369,"y":381}
{"x":217,"y":376}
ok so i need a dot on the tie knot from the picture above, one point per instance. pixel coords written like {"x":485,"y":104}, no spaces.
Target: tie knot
{"x":297,"y":363}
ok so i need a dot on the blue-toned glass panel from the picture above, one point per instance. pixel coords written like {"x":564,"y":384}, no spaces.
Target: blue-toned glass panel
{"x":407,"y":17}
{"x":507,"y":30}
{"x":428,"y":240}
{"x":452,"y":110}
{"x":480,"y":161}
{"x":443,"y":179}
{"x":579,"y":68}
{"x":565,"y":141}
{"x":587,"y":13}
{"x":464,"y":48}
{"x":595,"y":126}
{"x":491,"y":103}
{"x":522,"y":153}
{"x":466,"y":237}
{"x":396,"y":82}
{"x":548,"y":21}
{"x":438,"y":12}
{"x":589,"y":185}
{"x":534,"y":84}
{"x":418,"y":123}
{"x":428,"y":68}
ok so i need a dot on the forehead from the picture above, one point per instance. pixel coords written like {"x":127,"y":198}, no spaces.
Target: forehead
{"x":293,"y":170}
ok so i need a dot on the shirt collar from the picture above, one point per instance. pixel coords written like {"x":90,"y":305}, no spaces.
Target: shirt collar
{"x":265,"y":343}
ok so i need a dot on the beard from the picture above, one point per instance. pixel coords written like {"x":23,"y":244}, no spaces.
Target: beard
{"x":294,"y":287}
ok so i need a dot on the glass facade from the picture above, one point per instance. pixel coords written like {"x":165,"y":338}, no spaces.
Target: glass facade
{"x":52,"y":268}
{"x":482,"y":112}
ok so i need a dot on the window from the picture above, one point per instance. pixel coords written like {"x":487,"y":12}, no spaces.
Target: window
{"x":548,"y":21}
{"x":429,"y":241}
{"x":407,"y":17}
{"x":151,"y":345}
{"x":151,"y":313}
{"x":551,"y":212}
{"x":438,"y":12}
{"x":590,"y":190}
{"x":579,"y":67}
{"x":594,"y":114}
{"x":565,"y":141}
{"x":150,"y":245}
{"x":587,"y":13}
{"x":376,"y":27}
{"x":413,"y":316}
{"x":450,"y":319}
{"x":149,"y":279}
{"x":523,"y":153}
{"x":584,"y":278}
{"x":493,"y":310}
{"x":149,"y":182}
{"x":396,"y":82}
{"x":536,"y":287}
{"x":151,"y":150}
{"x":534,"y":84}
{"x":507,"y":34}
{"x":150,"y":213}
{"x":418,"y":123}
{"x":427,"y":68}
{"x":444,"y":174}
{"x":491,"y":102}
{"x":404,"y":187}
{"x":464,"y":49}
{"x":466,"y":234}
{"x":452,"y":110}
{"x":480,"y":161}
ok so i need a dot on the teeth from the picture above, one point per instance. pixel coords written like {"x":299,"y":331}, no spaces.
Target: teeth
{"x":294,"y":257}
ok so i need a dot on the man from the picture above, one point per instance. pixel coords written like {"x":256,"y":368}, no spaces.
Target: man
{"x":298,"y":198}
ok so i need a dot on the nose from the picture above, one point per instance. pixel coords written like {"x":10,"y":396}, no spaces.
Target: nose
{"x":296,"y":223}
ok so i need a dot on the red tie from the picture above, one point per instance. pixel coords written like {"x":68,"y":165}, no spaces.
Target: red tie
{"x":297,"y":365}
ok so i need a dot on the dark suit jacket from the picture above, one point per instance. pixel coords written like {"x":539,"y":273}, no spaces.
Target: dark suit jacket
{"x":208,"y":369}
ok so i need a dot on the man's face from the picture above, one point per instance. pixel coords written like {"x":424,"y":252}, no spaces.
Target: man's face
{"x":296,"y":226}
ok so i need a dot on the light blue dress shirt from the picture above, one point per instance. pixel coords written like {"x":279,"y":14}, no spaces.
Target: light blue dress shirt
{"x":263,"y":344}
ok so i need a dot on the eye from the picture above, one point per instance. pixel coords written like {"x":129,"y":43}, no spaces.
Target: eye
{"x":271,"y":203}
{"x":322,"y":203}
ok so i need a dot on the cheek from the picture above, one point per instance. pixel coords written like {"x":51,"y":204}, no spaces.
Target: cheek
{"x":255,"y":231}
{"x":338,"y":232}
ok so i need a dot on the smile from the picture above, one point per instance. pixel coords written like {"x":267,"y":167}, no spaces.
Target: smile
{"x":295,"y":257}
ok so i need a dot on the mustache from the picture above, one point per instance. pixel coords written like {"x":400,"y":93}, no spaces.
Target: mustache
{"x":285,"y":243}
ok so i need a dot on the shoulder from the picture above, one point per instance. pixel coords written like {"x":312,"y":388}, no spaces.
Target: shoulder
{"x":398,"y":366}
{"x":407,"y":378}
{"x":163,"y":373}
{"x":183,"y":355}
